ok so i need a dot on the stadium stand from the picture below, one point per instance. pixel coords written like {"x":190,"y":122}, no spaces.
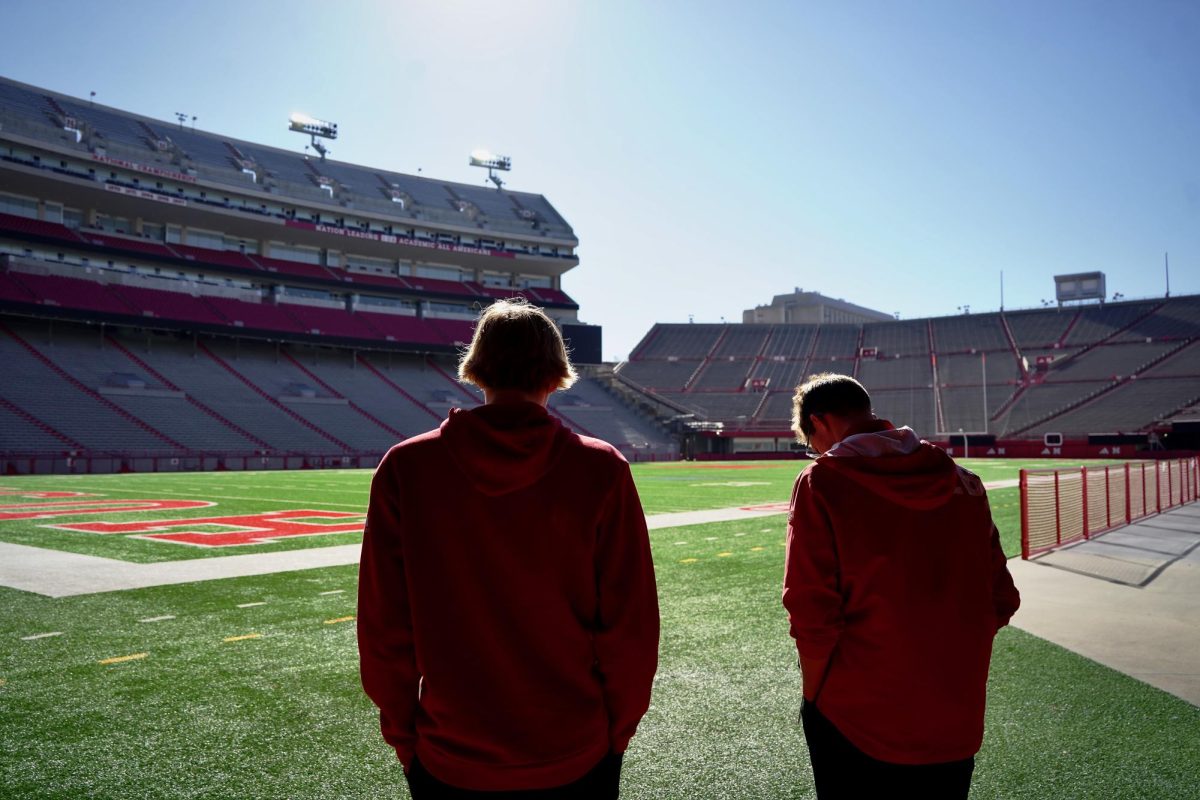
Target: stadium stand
{"x":1076,"y":370}
{"x":167,"y":292}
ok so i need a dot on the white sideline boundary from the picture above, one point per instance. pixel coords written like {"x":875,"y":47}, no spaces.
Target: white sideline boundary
{"x":55,"y":573}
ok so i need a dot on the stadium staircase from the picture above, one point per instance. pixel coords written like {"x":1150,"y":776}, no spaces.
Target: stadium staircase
{"x":1107,"y":339}
{"x":1012,"y":343}
{"x":335,"y":393}
{"x":939,"y":413}
{"x":158,"y":376}
{"x":460,"y":388}
{"x":858,"y":347}
{"x":40,"y":425}
{"x":1102,"y":392}
{"x":98,"y":398}
{"x":259,"y":391}
{"x":397,"y":387}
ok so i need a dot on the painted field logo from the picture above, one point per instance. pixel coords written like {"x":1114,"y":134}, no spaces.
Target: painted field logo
{"x":238,"y":530}
{"x":71,"y":508}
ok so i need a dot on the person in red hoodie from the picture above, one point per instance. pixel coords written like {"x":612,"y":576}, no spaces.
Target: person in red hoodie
{"x":895,"y":585}
{"x":507,"y":611}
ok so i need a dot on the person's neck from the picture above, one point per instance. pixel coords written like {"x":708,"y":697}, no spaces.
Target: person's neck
{"x":500,"y":396}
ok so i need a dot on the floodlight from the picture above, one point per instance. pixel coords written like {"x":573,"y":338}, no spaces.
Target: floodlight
{"x":491,"y":162}
{"x":303,"y":123}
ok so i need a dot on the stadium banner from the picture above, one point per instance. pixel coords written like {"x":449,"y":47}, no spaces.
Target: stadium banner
{"x":142,"y":194}
{"x":388,"y":238}
{"x":1064,"y":506}
{"x":146,"y":168}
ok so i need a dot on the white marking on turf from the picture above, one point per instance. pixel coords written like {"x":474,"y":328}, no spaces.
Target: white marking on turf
{"x":739,"y":534}
{"x":163,"y":618}
{"x":41,"y":636}
{"x":681,"y":543}
{"x":54,"y":573}
{"x":252,"y":605}
{"x":332,"y":591}
{"x":207,"y":496}
{"x":710,"y":538}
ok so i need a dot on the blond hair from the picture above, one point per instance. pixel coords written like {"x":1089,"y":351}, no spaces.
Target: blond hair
{"x":516,"y":346}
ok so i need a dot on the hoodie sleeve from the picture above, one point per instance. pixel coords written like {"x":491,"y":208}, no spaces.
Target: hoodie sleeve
{"x":626,"y":640}
{"x":810,"y":579}
{"x":1005,"y":597}
{"x":387,"y":659}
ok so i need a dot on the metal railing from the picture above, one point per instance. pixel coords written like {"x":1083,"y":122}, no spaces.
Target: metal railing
{"x":1062,"y":506}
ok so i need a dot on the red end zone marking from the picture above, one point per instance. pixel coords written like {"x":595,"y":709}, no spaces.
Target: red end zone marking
{"x":70,"y":508}
{"x":768,"y":507}
{"x":253,"y":528}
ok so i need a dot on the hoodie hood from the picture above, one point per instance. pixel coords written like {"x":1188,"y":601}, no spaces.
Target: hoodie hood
{"x":503,"y":447}
{"x":895,"y":464}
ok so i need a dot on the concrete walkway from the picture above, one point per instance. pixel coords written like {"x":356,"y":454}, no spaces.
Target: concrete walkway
{"x":1129,"y":599}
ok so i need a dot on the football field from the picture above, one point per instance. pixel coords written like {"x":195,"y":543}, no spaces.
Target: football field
{"x":248,"y":687}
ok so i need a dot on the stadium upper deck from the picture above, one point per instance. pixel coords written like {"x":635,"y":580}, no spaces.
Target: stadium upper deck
{"x":177,"y":221}
{"x":1118,"y":367}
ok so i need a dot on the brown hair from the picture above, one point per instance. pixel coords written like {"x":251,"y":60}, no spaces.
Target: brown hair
{"x":516,"y":346}
{"x":827,"y":393}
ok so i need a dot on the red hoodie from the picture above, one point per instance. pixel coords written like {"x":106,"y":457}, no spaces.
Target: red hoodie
{"x":895,"y":574}
{"x":508,"y":618}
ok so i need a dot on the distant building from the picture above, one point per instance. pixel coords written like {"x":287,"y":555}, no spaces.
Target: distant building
{"x":811,"y":308}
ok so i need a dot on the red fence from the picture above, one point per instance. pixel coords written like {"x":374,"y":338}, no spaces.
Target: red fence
{"x":1060,"y":506}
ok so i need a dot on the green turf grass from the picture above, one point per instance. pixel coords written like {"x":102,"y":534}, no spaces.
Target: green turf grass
{"x":283,"y":715}
{"x":664,"y":488}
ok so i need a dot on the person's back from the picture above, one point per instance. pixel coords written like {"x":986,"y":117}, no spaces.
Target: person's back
{"x":895,"y":586}
{"x":506,"y":567}
{"x":913,"y":537}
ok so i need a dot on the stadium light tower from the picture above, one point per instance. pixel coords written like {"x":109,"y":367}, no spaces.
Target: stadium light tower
{"x":303,"y":123}
{"x":491,"y":162}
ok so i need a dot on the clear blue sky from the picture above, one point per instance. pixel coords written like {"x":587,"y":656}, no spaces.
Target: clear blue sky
{"x":709,"y":155}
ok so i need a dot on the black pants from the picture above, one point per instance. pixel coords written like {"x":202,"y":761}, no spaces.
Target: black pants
{"x":602,"y":783}
{"x":841,"y":770}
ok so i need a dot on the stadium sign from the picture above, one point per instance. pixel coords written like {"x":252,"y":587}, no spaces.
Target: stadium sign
{"x":142,"y":194}
{"x":146,"y":168}
{"x":387,"y":238}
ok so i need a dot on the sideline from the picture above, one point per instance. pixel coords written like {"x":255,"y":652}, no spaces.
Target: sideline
{"x":56,"y":573}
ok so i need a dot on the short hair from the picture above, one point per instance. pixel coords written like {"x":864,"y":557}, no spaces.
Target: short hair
{"x":826,"y":393}
{"x":516,"y":346}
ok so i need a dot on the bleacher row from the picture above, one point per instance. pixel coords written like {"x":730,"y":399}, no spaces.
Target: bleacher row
{"x":68,"y":390}
{"x":263,"y":267}
{"x":128,"y":303}
{"x":1114,"y":367}
{"x":222,"y":160}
